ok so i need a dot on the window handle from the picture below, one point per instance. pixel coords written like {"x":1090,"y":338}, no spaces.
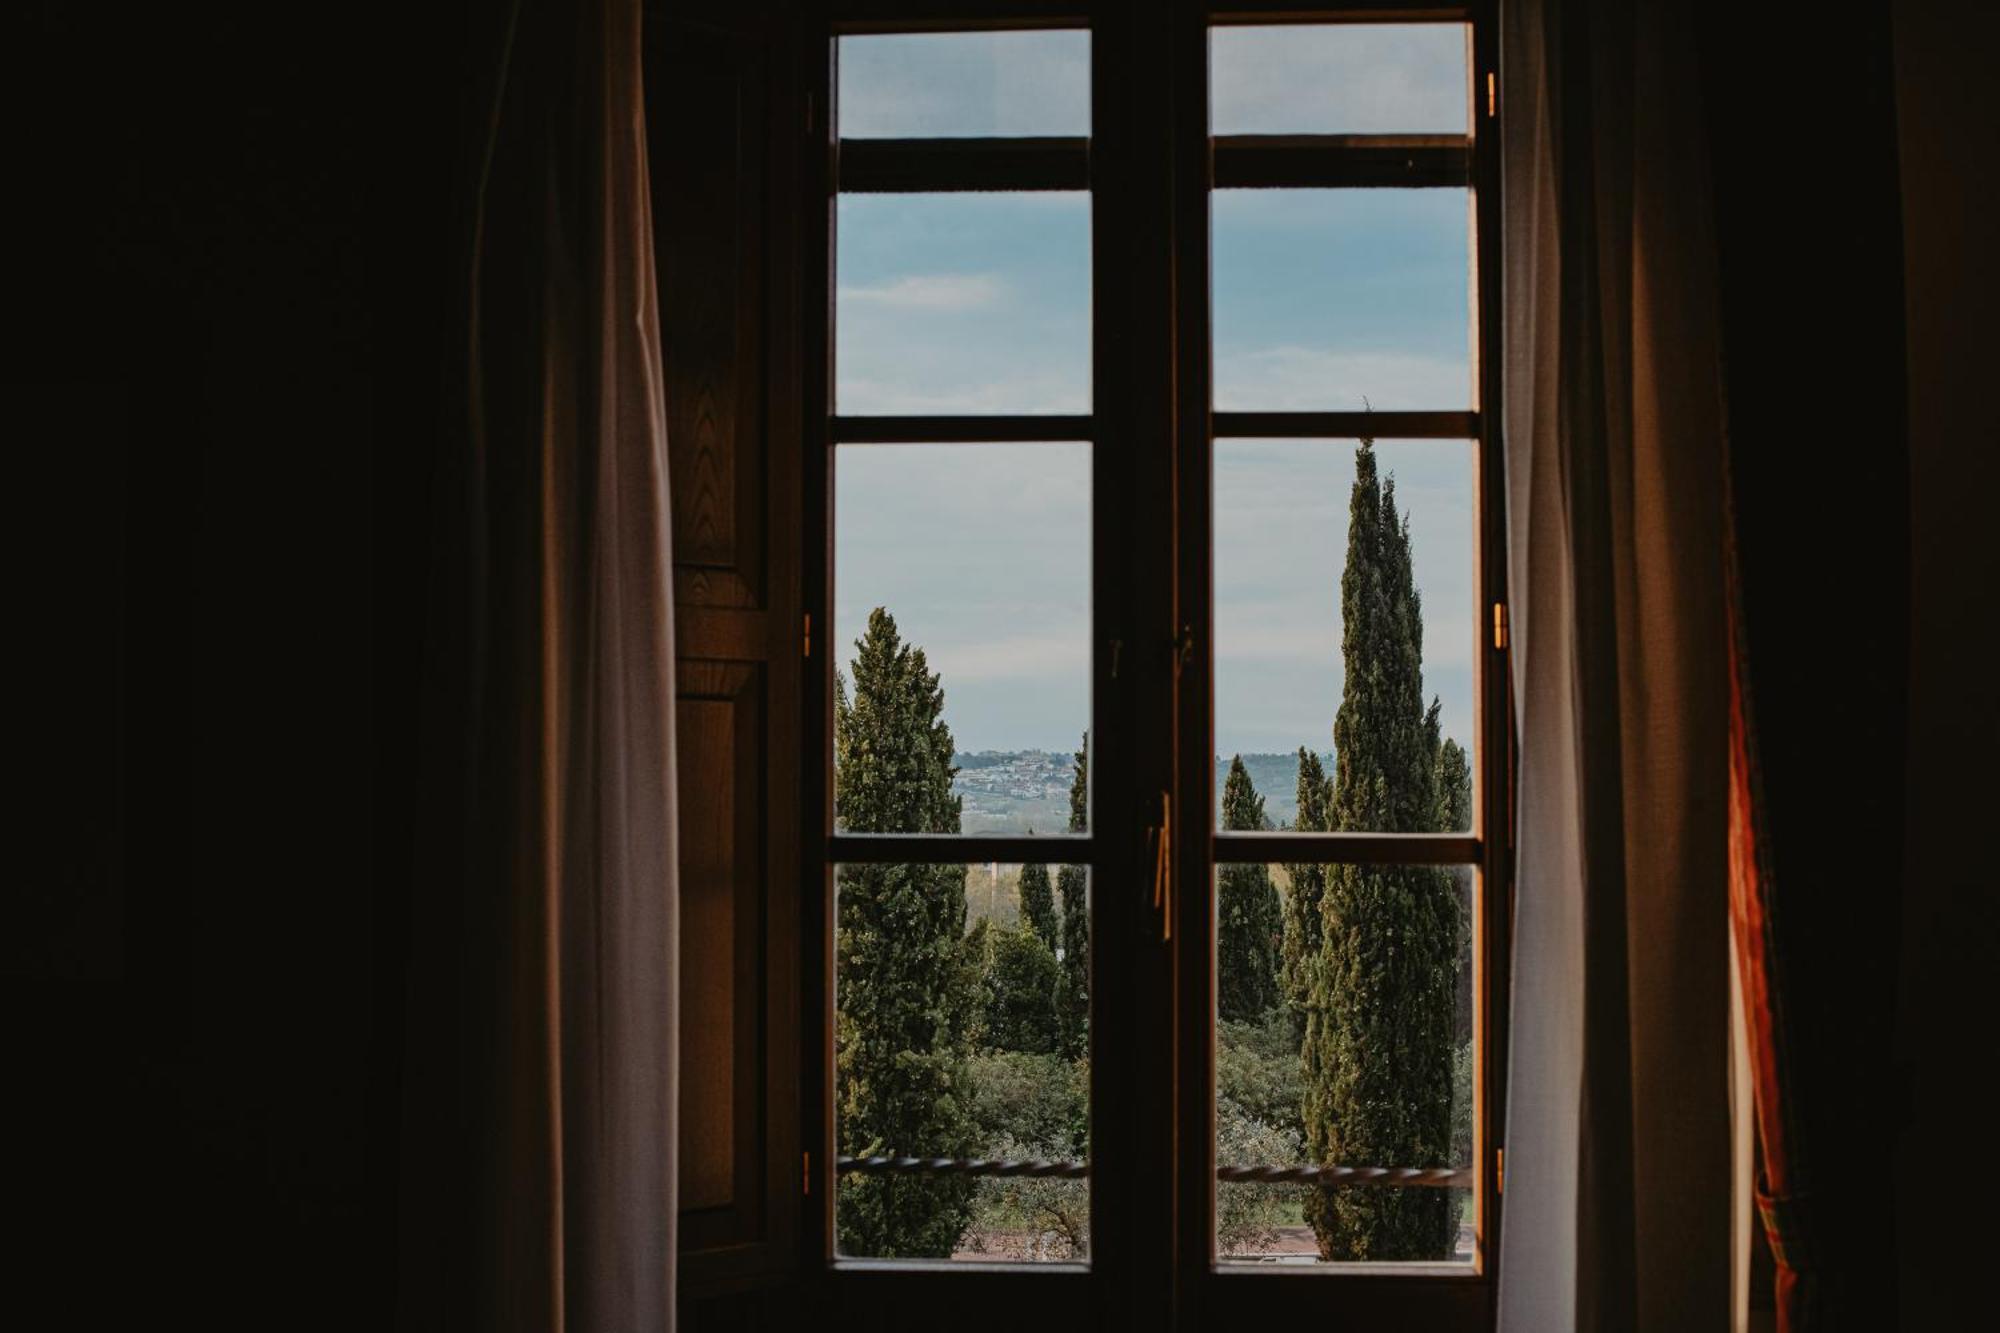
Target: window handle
{"x":1161,"y":836}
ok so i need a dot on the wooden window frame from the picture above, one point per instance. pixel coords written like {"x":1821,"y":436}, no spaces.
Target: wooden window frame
{"x":1151,"y":166}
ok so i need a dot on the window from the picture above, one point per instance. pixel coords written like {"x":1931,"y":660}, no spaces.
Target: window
{"x":1160,"y":730}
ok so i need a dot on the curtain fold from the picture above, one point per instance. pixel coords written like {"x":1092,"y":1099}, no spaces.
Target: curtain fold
{"x":1616,"y":1211}
{"x":541,"y":1079}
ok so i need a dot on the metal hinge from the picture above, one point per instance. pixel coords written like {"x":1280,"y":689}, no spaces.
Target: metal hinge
{"x":806,"y":1174}
{"x":1499,"y":1170}
{"x":1492,"y":94}
{"x":1500,"y":625}
{"x":807,"y":647}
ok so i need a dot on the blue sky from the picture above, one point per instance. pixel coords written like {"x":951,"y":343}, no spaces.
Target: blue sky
{"x":981,"y":303}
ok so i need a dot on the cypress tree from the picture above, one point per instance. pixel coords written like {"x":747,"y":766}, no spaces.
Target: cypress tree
{"x":1377,"y":1050}
{"x":1022,"y":980}
{"x":1454,"y":786}
{"x":1072,"y":884}
{"x":1248,"y":915}
{"x":1307,"y":887}
{"x":1038,"y":904}
{"x":907,"y":1002}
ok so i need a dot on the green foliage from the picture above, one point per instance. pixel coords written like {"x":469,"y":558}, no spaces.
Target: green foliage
{"x":1038,"y":904}
{"x":1377,"y":1048}
{"x":1021,"y":980}
{"x":1031,"y":1099}
{"x":1301,"y":945}
{"x":1454,"y":787}
{"x":1248,"y":915}
{"x":1248,"y":1213}
{"x":906,"y":1011}
{"x":1461,"y":1105}
{"x":1030,"y":1106}
{"x":1257,"y":1070}
{"x":1072,"y":887}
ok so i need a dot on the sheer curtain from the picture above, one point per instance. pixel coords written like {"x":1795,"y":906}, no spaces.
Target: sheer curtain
{"x":1618,"y":1190}
{"x":541,"y":1078}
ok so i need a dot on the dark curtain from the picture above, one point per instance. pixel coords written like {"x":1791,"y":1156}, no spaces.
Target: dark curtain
{"x":540,"y":1079}
{"x":1809,"y":239}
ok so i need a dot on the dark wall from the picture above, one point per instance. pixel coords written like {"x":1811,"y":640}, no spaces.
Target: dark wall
{"x":224,"y":282}
{"x":1948,"y":131}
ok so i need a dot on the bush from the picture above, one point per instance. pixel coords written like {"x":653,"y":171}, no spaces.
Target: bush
{"x":1247,"y":1213}
{"x":1257,"y":1068}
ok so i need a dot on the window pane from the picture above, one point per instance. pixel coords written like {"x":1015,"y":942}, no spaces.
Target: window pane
{"x":963,"y":303}
{"x":965,"y":84}
{"x":961,"y":1031}
{"x":1358,"y":78}
{"x":1332,"y":300}
{"x":977,"y":557}
{"x":1289,"y":574}
{"x":1350,"y":1047}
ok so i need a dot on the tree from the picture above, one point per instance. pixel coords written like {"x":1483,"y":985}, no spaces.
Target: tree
{"x":906,"y":1006}
{"x":1378,"y":1050}
{"x":1302,"y":902}
{"x":1454,"y":785}
{"x":1022,"y":978}
{"x":1038,"y":904}
{"x":1248,"y":915}
{"x":1072,"y":885}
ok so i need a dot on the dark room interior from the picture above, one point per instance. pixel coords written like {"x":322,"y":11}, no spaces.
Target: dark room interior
{"x":325,"y":665}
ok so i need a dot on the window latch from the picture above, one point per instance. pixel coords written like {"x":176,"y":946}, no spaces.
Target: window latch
{"x":1162,"y":837}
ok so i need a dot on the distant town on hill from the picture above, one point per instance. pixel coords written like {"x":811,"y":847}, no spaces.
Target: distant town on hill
{"x":1022,"y":791}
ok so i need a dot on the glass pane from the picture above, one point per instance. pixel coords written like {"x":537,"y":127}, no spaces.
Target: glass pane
{"x":1358,"y":78}
{"x":962,"y":615}
{"x":963,"y":303}
{"x":1351,"y":1047}
{"x":1336,"y":300}
{"x":961,"y":1031}
{"x":939,"y":85}
{"x":1294,"y":674}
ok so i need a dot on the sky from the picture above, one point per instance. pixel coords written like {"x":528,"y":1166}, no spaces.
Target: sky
{"x":981,"y":303}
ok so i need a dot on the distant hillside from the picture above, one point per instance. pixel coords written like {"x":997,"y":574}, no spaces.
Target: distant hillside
{"x":1018,"y":791}
{"x":1014,"y":791}
{"x":1276,"y":778}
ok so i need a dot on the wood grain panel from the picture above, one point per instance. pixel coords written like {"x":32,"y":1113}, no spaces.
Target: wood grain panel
{"x":706,"y":131}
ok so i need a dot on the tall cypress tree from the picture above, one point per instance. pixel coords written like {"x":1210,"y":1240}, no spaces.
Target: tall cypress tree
{"x":1454,"y":787}
{"x":1248,"y":914}
{"x":1302,"y":901}
{"x":1072,"y":884}
{"x":1377,"y":1051}
{"x":907,"y":1002}
{"x":1038,"y":904}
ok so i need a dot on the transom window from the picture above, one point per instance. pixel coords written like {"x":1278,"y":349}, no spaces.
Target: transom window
{"x":1160,"y":718}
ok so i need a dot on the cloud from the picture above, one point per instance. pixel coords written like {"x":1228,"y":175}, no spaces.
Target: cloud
{"x":929,"y":291}
{"x":1346,"y":78}
{"x":1295,"y":379}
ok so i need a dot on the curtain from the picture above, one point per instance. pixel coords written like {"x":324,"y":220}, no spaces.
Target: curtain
{"x":1616,"y":1211}
{"x":1810,"y":254}
{"x":541,"y":1080}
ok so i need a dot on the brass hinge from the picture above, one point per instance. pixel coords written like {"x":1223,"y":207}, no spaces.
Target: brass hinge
{"x":808,"y":647}
{"x":1500,"y":625}
{"x":1492,"y":94}
{"x":1499,"y":1170}
{"x":806,"y":1174}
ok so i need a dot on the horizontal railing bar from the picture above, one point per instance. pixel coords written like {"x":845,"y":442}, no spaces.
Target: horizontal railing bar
{"x":1346,"y":425}
{"x":1408,"y":1177}
{"x":960,"y":429}
{"x":958,"y":849}
{"x":923,"y":166}
{"x":1339,"y":161}
{"x":1347,"y":848}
